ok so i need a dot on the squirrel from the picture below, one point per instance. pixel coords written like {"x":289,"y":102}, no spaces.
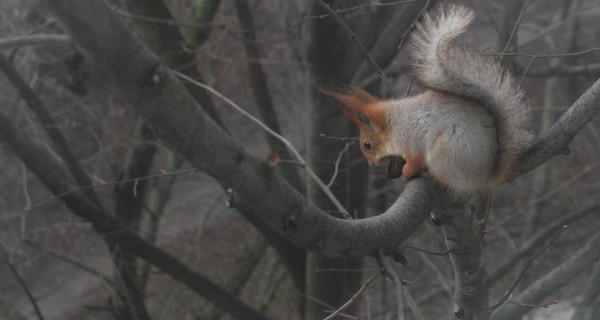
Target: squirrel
{"x":466,"y":131}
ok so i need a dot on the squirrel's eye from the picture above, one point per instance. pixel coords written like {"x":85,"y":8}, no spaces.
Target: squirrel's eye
{"x":368,"y":144}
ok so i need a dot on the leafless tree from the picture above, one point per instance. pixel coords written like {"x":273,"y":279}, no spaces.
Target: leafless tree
{"x":307,"y":193}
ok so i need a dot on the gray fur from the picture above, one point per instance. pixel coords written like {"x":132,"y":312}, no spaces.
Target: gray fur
{"x":487,"y":110}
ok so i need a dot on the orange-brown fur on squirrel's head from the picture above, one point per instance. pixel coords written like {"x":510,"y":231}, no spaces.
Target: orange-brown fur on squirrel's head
{"x":370,"y":115}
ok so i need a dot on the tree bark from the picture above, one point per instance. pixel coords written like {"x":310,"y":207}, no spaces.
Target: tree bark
{"x":182,"y":126}
{"x":464,"y":233}
{"x":550,"y":282}
{"x":54,"y":176}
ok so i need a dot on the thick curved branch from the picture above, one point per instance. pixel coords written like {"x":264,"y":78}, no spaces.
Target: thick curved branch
{"x":181,"y":124}
{"x":556,"y":140}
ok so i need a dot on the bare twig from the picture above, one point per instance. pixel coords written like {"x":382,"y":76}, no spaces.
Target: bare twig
{"x":413,"y":23}
{"x":157,"y":20}
{"x":443,"y":253}
{"x":260,"y":89}
{"x":22,"y":282}
{"x":337,"y":165}
{"x":514,"y":30}
{"x":345,"y":139}
{"x":525,"y":71}
{"x":112,"y":183}
{"x":562,"y":186}
{"x":34,"y":40}
{"x":362,"y":48}
{"x":592,"y":69}
{"x":354,"y":297}
{"x":311,"y":298}
{"x":548,"y":284}
{"x":438,"y":273}
{"x":359,"y":7}
{"x":38,"y":161}
{"x":344,"y":270}
{"x":42,"y":113}
{"x":73,"y":262}
{"x":546,"y":56}
{"x":294,"y":151}
{"x":520,"y":303}
{"x":585,"y":10}
{"x":412,"y":305}
{"x":529,"y":262}
{"x":389,"y":272}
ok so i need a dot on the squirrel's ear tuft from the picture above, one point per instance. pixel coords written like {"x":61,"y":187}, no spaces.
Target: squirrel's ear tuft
{"x":354,"y":102}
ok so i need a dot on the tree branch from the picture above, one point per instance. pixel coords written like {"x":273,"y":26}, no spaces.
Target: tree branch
{"x":129,"y":206}
{"x":49,"y":125}
{"x":556,"y":140}
{"x":541,"y":235}
{"x":353,"y":298}
{"x":34,"y":40}
{"x":181,"y":124}
{"x":592,"y":69}
{"x":260,"y":90}
{"x":53,"y":174}
{"x":463,"y":235}
{"x":386,"y":47}
{"x":588,"y":302}
{"x":509,"y":292}
{"x":363,"y":50}
{"x":276,"y":135}
{"x":21,"y":281}
{"x":559,"y":276}
{"x":160,"y":98}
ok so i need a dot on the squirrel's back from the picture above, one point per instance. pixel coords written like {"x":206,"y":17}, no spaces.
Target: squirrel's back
{"x":443,"y":66}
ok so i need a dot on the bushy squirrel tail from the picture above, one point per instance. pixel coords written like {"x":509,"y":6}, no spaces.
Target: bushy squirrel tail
{"x":443,"y":66}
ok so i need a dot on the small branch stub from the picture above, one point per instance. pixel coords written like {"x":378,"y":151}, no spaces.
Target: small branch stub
{"x":157,"y":75}
{"x":155,"y":79}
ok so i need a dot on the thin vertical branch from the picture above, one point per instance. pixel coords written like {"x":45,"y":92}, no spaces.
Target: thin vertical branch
{"x":389,"y":272}
{"x":130,"y":194}
{"x":462,"y":231}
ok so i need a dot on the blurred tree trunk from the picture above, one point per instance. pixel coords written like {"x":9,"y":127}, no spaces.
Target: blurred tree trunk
{"x":558,"y":92}
{"x":589,"y":305}
{"x":129,"y":210}
{"x":329,"y":56}
{"x":334,"y":59}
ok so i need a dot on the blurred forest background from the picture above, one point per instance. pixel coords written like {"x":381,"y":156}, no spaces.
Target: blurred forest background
{"x":269,"y":57}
